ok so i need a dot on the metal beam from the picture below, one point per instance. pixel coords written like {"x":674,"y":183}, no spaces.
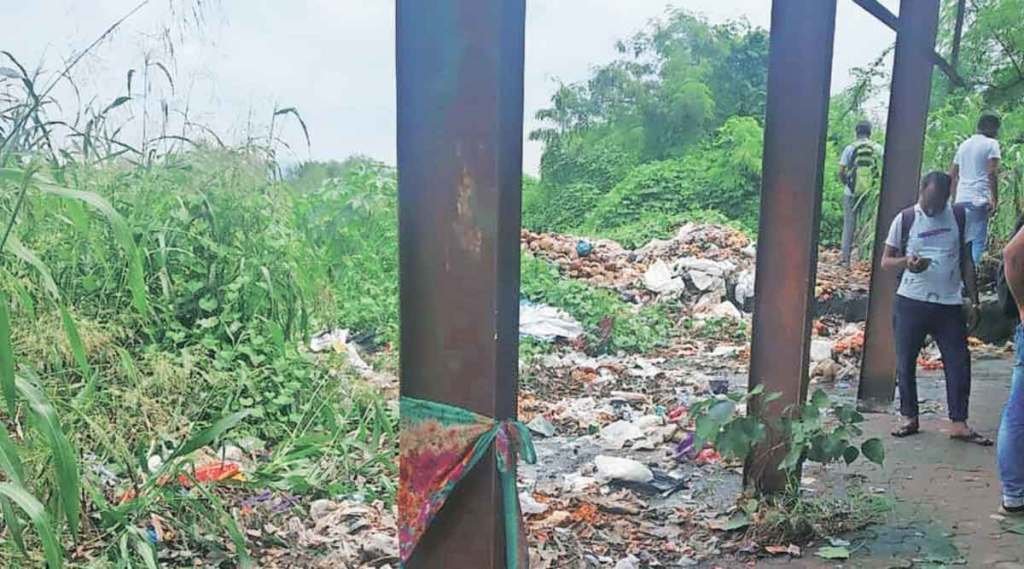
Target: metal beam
{"x":460,"y":128}
{"x":799,"y":76}
{"x":883,"y":15}
{"x":958,"y":32}
{"x":901,"y":173}
{"x":880,"y":12}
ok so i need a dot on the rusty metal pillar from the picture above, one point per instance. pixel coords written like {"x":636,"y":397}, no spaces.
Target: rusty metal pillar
{"x":460,"y":129}
{"x":799,"y":75}
{"x":901,"y":173}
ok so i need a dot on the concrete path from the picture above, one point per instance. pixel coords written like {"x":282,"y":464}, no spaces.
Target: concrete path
{"x":946,"y":493}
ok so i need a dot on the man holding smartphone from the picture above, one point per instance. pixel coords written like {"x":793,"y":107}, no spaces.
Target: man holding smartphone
{"x":926,"y":242}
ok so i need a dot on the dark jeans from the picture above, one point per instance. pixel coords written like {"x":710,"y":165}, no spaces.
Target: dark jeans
{"x":914,"y":320}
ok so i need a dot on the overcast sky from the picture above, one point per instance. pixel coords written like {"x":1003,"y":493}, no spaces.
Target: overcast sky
{"x":334,"y":59}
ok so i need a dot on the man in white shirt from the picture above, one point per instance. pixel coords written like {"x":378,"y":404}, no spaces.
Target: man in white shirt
{"x":860,"y":167}
{"x":975,"y":173}
{"x":927,"y":243}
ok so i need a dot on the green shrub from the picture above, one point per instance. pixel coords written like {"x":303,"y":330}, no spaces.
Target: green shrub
{"x":559,"y":209}
{"x":654,"y":189}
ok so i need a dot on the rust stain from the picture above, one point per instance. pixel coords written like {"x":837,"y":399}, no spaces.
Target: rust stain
{"x":469,"y":234}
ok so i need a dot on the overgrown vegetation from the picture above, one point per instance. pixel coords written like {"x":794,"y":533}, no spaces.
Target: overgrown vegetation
{"x":155,"y":301}
{"x":675,"y":124}
{"x":669,"y":132}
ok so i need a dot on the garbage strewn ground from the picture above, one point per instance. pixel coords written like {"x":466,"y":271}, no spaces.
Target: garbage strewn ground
{"x":613,"y":488}
{"x":618,"y":483}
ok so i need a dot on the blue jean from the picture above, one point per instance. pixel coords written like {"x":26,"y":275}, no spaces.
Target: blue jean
{"x":1010,"y":450}
{"x":976,"y":230}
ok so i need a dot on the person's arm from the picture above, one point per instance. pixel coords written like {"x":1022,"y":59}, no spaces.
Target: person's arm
{"x":1013,"y":269}
{"x":993,"y":182}
{"x":954,"y":173}
{"x":844,"y":163}
{"x":893,"y":260}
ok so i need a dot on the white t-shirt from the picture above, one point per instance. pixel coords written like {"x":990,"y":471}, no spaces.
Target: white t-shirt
{"x":972,"y":159}
{"x":936,"y":238}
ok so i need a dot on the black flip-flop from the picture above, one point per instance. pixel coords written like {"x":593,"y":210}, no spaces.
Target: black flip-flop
{"x":973,"y":437}
{"x":906,"y":431}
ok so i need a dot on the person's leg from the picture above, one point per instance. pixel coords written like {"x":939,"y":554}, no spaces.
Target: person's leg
{"x":1010,"y":452}
{"x":849,"y":227}
{"x":949,"y":328}
{"x":909,"y":329}
{"x":976,"y":230}
{"x":980,"y":245}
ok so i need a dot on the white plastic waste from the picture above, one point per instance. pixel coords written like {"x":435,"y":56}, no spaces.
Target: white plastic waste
{"x":745,"y":286}
{"x":706,"y":282}
{"x":659,"y":279}
{"x":821,"y":350}
{"x":324,"y":341}
{"x":547,"y":323}
{"x":708,"y":310}
{"x":541,"y":426}
{"x":337,"y":340}
{"x":617,"y":434}
{"x":622,"y":469}
{"x":628,"y":563}
{"x":529,"y":506}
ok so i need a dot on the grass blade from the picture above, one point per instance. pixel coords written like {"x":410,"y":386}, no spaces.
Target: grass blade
{"x":31,"y":506}
{"x":25,"y":299}
{"x":65,"y":462}
{"x":295,"y":113}
{"x":12,"y":521}
{"x":11,"y":465}
{"x":144,"y":548}
{"x":206,"y":437}
{"x":78,"y":352}
{"x":6,"y":356}
{"x":10,"y":462}
{"x":122,"y":233}
{"x":19,"y":250}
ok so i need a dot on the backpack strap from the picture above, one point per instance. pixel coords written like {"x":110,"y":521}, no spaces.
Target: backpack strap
{"x":907,"y":219}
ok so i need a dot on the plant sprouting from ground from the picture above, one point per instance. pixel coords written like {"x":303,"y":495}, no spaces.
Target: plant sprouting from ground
{"x":819,"y":430}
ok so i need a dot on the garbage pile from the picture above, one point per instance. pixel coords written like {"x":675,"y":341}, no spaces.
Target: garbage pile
{"x":326,"y":534}
{"x":709,"y":268}
{"x":600,"y":262}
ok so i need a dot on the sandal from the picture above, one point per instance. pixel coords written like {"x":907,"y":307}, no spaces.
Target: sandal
{"x":973,"y":437}
{"x":907,"y":430}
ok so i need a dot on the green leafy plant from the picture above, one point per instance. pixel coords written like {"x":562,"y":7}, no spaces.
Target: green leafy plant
{"x":817,"y":431}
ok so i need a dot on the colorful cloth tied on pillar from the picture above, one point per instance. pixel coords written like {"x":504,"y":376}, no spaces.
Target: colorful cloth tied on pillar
{"x":439,"y":445}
